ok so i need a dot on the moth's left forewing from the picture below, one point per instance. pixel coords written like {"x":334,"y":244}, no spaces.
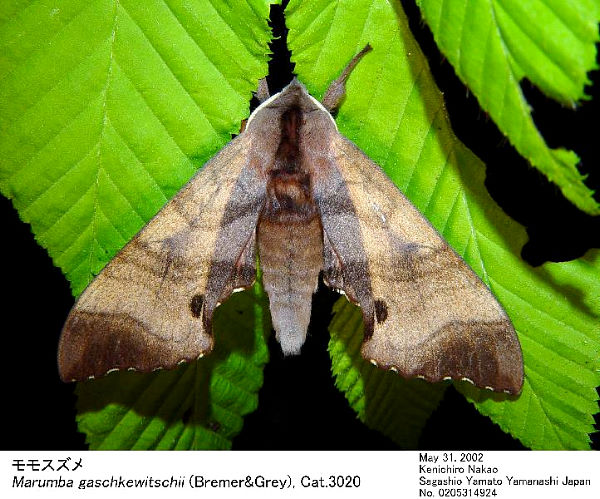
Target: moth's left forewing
{"x":152,"y":305}
{"x":426,"y":313}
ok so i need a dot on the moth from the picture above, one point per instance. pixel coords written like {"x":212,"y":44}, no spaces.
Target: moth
{"x":293,"y":191}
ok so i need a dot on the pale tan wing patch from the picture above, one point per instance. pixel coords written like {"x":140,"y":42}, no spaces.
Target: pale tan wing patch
{"x":429,"y":314}
{"x":147,"y":308}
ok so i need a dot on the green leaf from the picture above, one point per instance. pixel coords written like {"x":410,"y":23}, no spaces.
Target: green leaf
{"x":106,"y":109}
{"x":401,"y":123}
{"x":397,"y":407}
{"x":197,"y":406}
{"x":494,"y":45}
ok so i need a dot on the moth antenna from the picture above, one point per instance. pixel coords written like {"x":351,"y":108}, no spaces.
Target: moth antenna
{"x":337,"y":89}
{"x":262,"y":92}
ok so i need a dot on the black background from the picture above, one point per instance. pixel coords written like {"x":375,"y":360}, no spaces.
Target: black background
{"x":299,"y":408}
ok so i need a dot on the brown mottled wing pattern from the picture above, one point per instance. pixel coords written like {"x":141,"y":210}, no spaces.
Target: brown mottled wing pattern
{"x":152,"y":305}
{"x":426,"y":313}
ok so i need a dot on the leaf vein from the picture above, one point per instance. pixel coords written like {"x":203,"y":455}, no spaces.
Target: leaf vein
{"x":27,"y":205}
{"x":234,"y":60}
{"x":30,"y":56}
{"x":422,"y":146}
{"x":541,"y":311}
{"x":548,"y":54}
{"x":175,"y":76}
{"x":142,"y":165}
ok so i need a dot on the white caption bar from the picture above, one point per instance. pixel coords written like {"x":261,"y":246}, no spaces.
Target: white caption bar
{"x":409,"y":474}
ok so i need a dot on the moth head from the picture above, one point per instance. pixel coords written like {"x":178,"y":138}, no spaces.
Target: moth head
{"x":294,"y":95}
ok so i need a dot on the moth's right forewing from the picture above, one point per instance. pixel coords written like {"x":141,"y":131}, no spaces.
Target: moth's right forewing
{"x":151,"y":306}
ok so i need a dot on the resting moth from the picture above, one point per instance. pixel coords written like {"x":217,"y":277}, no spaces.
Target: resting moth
{"x":293,"y":190}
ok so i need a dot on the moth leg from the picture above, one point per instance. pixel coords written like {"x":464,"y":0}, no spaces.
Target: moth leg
{"x":337,"y":89}
{"x":262,"y":92}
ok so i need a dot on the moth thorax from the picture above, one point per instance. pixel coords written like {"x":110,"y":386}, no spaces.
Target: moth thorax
{"x":291,"y":257}
{"x":289,"y":198}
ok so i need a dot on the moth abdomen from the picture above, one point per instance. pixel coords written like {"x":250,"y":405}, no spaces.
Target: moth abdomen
{"x":291,"y":257}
